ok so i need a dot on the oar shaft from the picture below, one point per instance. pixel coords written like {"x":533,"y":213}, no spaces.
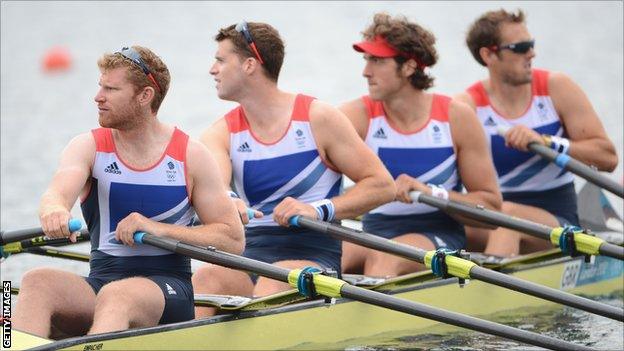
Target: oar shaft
{"x":364,"y":239}
{"x":264,"y":269}
{"x":218,"y":257}
{"x":611,"y":250}
{"x":24,"y":245}
{"x":456,"y":319}
{"x":496,"y":278}
{"x":547,"y":293}
{"x":484,"y":215}
{"x":578,"y":168}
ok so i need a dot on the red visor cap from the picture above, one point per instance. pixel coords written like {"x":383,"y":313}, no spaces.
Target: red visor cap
{"x":378,"y":47}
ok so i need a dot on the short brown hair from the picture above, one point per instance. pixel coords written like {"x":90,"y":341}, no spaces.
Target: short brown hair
{"x":135,"y":74}
{"x":408,"y":38}
{"x":268,"y":42}
{"x":485,"y":31}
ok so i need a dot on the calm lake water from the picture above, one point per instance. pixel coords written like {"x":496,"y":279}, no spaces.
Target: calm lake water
{"x":41,"y":112}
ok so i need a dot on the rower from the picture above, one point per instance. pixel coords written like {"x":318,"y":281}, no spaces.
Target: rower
{"x":428,"y":142}
{"x":530,"y":103}
{"x":285,"y":154}
{"x":133,"y":174}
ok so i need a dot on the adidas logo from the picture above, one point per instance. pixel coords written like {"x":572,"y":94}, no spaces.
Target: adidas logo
{"x":490,"y":122}
{"x":380,"y":134}
{"x":244,"y":148}
{"x":112,"y":168}
{"x":170,"y":290}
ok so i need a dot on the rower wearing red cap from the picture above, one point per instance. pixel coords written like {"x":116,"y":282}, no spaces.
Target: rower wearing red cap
{"x":428,"y":142}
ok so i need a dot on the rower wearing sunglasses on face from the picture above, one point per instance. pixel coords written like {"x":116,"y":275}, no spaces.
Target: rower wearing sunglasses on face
{"x":427,"y":142}
{"x":529,"y":103}
{"x":134,"y":173}
{"x":285,"y":154}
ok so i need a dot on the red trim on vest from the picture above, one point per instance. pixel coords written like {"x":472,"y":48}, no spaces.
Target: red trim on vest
{"x":440,"y":108}
{"x":539,"y":86}
{"x":373,"y":108}
{"x":301,"y":110}
{"x":177,"y":147}
{"x":103,"y":140}
{"x":236,"y":121}
{"x":478,"y":94}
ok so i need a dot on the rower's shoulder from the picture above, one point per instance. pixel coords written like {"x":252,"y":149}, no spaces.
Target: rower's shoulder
{"x":354,"y":108}
{"x":465,"y":98}
{"x":217,"y":131}
{"x":558,"y":81}
{"x":83,"y":141}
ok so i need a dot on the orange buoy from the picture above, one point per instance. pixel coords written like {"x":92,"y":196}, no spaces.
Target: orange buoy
{"x":57,"y":59}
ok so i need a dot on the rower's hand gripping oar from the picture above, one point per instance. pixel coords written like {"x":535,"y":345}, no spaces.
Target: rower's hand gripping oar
{"x":445,"y":264}
{"x":571,"y":164}
{"x":332,"y":287}
{"x":571,"y":240}
{"x":74,"y":224}
{"x":17,"y":240}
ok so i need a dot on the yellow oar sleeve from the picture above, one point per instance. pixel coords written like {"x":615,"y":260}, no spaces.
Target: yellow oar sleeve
{"x":324,"y":285}
{"x":457,"y":267}
{"x":586,"y":244}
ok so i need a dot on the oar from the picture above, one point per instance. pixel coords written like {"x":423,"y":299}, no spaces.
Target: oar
{"x":26,"y":244}
{"x":586,"y":244}
{"x":51,"y":252}
{"x":22,"y":234}
{"x":459,"y":267}
{"x":332,"y":287}
{"x":573,"y":165}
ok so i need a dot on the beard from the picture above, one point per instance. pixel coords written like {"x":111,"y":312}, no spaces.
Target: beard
{"x":124,"y":118}
{"x":517,"y":78}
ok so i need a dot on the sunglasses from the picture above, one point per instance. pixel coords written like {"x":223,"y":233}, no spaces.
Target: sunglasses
{"x":521,"y":47}
{"x":242,"y":28}
{"x":135,"y":57}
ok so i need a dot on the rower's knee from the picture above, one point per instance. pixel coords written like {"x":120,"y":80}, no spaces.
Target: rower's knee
{"x":113,"y":297}
{"x":38,"y":281}
{"x":210,"y":279}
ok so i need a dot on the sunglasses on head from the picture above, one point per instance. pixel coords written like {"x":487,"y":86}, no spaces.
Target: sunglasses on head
{"x":135,"y":57}
{"x":242,"y":28}
{"x":521,"y":47}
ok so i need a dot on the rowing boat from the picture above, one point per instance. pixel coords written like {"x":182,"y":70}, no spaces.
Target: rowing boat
{"x":287,"y":320}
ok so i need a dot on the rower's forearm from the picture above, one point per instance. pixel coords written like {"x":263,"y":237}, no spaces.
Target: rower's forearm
{"x":367,"y":194}
{"x":599,"y":153}
{"x":52,"y":201}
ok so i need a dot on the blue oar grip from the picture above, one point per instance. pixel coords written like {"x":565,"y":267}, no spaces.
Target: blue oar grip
{"x":74,"y":225}
{"x":562,"y":160}
{"x":251,"y":213}
{"x":138,"y":237}
{"x":294,"y":221}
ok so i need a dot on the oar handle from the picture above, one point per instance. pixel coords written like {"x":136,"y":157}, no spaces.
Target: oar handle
{"x":74,"y":225}
{"x":573,"y":165}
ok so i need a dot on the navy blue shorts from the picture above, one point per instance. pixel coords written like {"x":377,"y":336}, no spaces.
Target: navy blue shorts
{"x":273,"y":244}
{"x":442,"y":230}
{"x":560,"y":202}
{"x":178,"y":292}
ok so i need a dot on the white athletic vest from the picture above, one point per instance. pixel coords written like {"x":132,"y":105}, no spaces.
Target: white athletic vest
{"x":426,"y":154}
{"x":517,"y":170}
{"x":159,"y":193}
{"x":265,"y":174}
